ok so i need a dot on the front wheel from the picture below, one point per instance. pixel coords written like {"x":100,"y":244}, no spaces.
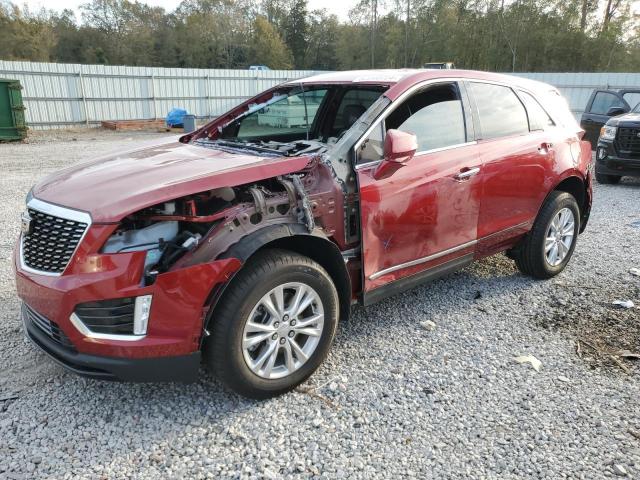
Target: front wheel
{"x":547,"y":248}
{"x":274,"y":325}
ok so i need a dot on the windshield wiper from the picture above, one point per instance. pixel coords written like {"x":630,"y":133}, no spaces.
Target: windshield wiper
{"x":229,"y":145}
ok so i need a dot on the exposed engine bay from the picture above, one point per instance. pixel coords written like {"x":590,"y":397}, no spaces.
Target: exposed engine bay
{"x":201,"y":227}
{"x":319,"y":122}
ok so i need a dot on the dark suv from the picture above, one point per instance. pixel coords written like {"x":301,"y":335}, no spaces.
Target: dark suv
{"x":618,"y":149}
{"x":602,"y":105}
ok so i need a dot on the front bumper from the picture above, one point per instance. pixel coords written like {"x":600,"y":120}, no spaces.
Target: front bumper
{"x":182,"y":368}
{"x":171,"y":347}
{"x":609,"y":163}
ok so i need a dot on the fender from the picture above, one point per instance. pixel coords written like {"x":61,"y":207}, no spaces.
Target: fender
{"x":295,"y":237}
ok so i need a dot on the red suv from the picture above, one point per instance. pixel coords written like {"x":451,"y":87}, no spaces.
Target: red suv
{"x":246,"y":240}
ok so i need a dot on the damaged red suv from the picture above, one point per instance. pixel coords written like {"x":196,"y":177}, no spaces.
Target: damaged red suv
{"x":245,"y":241}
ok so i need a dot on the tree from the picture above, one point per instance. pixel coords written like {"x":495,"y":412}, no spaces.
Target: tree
{"x":295,"y":31}
{"x":323,"y":31}
{"x":499,"y":35}
{"x":268,"y":48}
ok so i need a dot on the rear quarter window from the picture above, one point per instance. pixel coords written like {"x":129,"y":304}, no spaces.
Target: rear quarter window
{"x":539,"y":119}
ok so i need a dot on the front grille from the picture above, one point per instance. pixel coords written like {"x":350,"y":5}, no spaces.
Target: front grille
{"x":49,"y":328}
{"x":628,"y":142}
{"x":51,"y":242}
{"x":108,"y":316}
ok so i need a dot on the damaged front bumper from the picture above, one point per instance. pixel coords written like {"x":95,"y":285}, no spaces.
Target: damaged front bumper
{"x":170,"y":348}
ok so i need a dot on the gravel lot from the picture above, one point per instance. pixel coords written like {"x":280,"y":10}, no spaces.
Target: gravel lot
{"x":396,"y":396}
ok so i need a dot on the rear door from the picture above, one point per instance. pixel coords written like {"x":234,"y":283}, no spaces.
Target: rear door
{"x":515,"y":161}
{"x":595,"y":115}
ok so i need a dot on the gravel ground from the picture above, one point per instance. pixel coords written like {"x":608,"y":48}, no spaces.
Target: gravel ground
{"x":397,"y":396}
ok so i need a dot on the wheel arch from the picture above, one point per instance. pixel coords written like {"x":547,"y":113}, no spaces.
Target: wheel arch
{"x":579,"y":189}
{"x":296,"y":238}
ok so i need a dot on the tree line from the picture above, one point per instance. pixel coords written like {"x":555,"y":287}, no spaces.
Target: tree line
{"x":497,"y":35}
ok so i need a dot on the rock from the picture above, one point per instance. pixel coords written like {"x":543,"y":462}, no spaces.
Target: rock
{"x":624,"y":303}
{"x":428,"y":325}
{"x":619,"y":470}
{"x":564,"y":379}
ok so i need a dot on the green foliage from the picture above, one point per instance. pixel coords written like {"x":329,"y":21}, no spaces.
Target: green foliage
{"x":267,"y":47}
{"x":295,"y":31}
{"x":500,"y":35}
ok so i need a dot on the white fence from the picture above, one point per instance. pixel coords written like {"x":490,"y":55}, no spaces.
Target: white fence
{"x":577,"y":87}
{"x":67,"y":95}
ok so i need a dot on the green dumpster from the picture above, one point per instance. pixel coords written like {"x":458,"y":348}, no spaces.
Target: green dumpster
{"x":12,"y":124}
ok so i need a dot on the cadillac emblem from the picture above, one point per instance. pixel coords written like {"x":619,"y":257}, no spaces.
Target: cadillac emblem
{"x":26,"y":223}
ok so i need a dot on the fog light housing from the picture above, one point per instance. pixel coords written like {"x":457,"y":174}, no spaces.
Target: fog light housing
{"x":602,"y":152}
{"x":141,"y":314}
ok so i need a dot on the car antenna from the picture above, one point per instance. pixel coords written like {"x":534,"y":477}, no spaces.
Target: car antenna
{"x":306,"y":114}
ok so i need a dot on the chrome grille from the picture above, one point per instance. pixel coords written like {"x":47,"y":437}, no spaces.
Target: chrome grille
{"x":49,"y":328}
{"x":51,"y":242}
{"x":628,"y":141}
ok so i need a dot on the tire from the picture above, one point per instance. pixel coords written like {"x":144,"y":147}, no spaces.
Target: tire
{"x":532,"y":258}
{"x":252,"y":294}
{"x":607,"y":179}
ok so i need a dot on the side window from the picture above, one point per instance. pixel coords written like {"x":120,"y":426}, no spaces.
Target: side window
{"x":538,"y":118}
{"x":501,"y":112}
{"x":353,"y":104}
{"x":603,"y":101}
{"x":434,"y":115}
{"x":632,"y":98}
{"x":372,"y":149}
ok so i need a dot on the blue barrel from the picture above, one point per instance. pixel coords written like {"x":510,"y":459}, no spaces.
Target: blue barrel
{"x":189,"y":122}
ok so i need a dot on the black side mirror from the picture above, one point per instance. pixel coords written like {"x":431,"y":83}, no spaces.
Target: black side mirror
{"x":615,"y":111}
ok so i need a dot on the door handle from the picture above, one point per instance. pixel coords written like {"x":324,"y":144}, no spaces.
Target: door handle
{"x":467,"y":173}
{"x":588,"y":120}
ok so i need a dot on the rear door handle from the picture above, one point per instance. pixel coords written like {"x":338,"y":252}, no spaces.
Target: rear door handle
{"x":467,"y":173}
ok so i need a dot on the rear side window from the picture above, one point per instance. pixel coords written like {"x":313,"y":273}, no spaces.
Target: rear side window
{"x":500,"y":111}
{"x":538,"y":118}
{"x":603,"y":101}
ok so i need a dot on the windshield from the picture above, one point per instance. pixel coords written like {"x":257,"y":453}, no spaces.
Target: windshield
{"x":284,"y":119}
{"x":297,"y":119}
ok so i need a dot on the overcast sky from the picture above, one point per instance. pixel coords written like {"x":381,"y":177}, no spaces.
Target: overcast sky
{"x":339,"y":7}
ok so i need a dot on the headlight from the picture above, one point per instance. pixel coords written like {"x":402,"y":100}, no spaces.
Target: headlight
{"x":608,"y":133}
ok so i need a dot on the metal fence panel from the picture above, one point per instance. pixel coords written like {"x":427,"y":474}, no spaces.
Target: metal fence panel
{"x":577,"y":87}
{"x":67,"y":95}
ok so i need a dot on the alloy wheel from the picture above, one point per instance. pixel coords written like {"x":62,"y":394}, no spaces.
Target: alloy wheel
{"x":283,"y":330}
{"x":559,"y":237}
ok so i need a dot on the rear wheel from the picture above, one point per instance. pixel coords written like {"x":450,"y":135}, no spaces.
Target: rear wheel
{"x":274,"y":325}
{"x":548,"y":247}
{"x":607,"y":179}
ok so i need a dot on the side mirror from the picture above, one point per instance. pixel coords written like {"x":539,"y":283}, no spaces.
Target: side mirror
{"x":615,"y":111}
{"x":399,"y":148}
